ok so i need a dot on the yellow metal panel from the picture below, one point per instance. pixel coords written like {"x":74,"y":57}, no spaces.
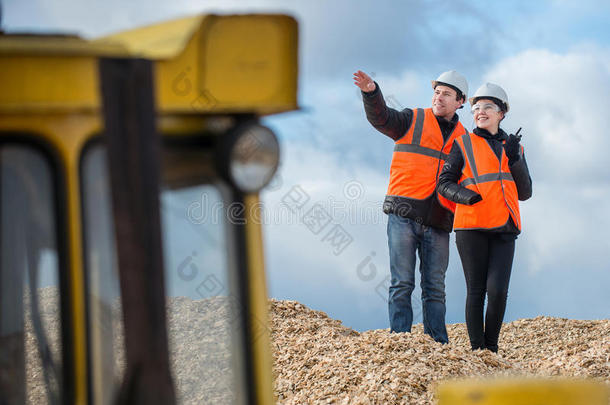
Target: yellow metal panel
{"x":21,"y":45}
{"x":177,"y":82}
{"x":220,"y":64}
{"x":261,"y":348}
{"x":45,"y":83}
{"x":249,"y":60}
{"x":204,"y":64}
{"x":523,"y":392}
{"x":159,"y":41}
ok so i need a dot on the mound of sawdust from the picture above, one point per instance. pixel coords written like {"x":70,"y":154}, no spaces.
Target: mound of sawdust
{"x":318,"y":360}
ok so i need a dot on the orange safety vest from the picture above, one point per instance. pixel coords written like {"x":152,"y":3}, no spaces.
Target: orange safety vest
{"x":489,"y":176}
{"x":419,"y":156}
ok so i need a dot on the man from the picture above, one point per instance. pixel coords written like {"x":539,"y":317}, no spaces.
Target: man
{"x":419,"y":219}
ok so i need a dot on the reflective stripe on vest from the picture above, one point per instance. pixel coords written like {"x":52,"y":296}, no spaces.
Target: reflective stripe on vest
{"x":419,"y":157}
{"x":489,"y":176}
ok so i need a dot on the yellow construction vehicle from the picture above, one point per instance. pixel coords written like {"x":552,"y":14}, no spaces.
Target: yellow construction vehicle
{"x":130,"y":168}
{"x":522,"y":391}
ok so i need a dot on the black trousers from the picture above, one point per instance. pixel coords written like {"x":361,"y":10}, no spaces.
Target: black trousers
{"x":487,"y":259}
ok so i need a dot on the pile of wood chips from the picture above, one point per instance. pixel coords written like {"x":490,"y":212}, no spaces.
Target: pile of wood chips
{"x":318,"y":360}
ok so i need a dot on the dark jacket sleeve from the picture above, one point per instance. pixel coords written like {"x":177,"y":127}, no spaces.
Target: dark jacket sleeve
{"x":386,"y":120}
{"x":522,"y":178}
{"x":450,"y":175}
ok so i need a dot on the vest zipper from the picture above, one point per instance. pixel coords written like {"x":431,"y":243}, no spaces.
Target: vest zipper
{"x":440,"y":153}
{"x":502,"y":187}
{"x":438,"y":165}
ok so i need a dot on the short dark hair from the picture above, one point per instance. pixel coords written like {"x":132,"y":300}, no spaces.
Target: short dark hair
{"x":459,"y":95}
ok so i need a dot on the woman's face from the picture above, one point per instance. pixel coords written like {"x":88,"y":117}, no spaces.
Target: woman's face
{"x":487,"y":115}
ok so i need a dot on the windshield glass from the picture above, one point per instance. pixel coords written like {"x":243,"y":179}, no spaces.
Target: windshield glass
{"x":30,"y":345}
{"x":205,"y":337}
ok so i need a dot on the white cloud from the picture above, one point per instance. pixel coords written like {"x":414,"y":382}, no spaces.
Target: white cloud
{"x":351,"y":199}
{"x":561,"y":102}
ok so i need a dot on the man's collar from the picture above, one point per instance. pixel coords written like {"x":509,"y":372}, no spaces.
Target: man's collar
{"x":453,"y":119}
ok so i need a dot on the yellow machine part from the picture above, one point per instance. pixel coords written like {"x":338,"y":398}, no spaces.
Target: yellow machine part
{"x":207,"y":64}
{"x":523,"y":392}
{"x":258,"y":304}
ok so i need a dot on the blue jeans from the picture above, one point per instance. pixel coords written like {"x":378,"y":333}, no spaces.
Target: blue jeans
{"x":405,"y":237}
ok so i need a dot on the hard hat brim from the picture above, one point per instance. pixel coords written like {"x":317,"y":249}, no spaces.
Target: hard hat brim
{"x":437,"y":82}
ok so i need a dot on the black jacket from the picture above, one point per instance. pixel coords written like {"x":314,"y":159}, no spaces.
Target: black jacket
{"x":449,"y":188}
{"x":395,"y":124}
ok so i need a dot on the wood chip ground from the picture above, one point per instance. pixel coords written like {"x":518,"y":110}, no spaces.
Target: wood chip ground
{"x":317,"y":360}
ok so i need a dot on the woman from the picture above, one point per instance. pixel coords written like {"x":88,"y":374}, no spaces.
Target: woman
{"x":486,"y":174}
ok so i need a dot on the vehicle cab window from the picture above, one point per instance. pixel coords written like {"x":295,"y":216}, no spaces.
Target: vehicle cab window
{"x":30,"y":321}
{"x":206,"y":336}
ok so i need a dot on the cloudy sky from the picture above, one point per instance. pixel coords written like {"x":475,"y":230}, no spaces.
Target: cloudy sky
{"x":551,"y":56}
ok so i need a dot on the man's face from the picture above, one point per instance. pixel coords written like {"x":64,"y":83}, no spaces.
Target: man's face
{"x":444,"y":102}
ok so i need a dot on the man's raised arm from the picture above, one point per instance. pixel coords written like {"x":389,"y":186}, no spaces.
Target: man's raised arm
{"x":386,"y":120}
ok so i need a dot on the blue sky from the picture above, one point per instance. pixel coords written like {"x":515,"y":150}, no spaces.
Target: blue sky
{"x":553,"y":59}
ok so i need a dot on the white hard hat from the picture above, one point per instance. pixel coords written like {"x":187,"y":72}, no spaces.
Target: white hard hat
{"x":490,"y":90}
{"x":454,"y":79}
